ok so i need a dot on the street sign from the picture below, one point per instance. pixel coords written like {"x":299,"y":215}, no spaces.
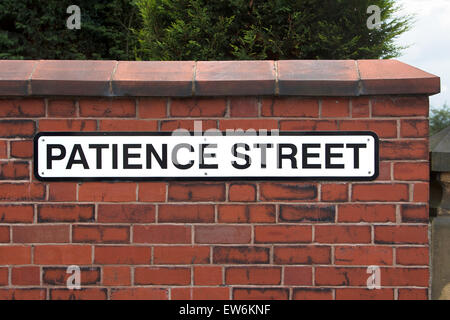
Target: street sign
{"x":239,"y":156}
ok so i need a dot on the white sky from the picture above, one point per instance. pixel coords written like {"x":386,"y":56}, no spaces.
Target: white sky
{"x":429,"y":41}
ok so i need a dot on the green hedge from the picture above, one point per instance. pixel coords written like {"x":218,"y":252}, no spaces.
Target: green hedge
{"x":198,"y":29}
{"x":276,"y":29}
{"x":35,"y":29}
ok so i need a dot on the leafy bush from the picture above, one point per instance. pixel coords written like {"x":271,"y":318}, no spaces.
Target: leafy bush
{"x":34,"y":29}
{"x":258,"y":29}
{"x":439,"y":119}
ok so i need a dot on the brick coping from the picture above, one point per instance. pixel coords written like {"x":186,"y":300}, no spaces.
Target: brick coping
{"x":213,"y":78}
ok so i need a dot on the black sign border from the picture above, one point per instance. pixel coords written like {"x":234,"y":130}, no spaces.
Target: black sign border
{"x":205,"y":178}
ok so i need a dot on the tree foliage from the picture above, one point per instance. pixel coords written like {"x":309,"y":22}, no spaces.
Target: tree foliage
{"x":259,"y":29}
{"x":35,"y":29}
{"x":439,"y":119}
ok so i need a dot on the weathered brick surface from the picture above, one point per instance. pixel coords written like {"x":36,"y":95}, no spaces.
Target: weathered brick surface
{"x":216,"y":240}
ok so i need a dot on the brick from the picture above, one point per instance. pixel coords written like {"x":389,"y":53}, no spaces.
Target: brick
{"x":302,"y":255}
{"x":11,"y":255}
{"x":400,"y":107}
{"x":128,"y":125}
{"x":236,"y":78}
{"x":186,"y":213}
{"x":246,"y":213}
{"x":248,"y":124}
{"x":360,"y":107}
{"x":414,"y":129}
{"x":366,"y":213}
{"x":4,"y":234}
{"x":82,"y":294}
{"x":65,"y":213}
{"x":413,"y":294}
{"x":364,"y":294}
{"x":223,"y":234}
{"x":215,"y":293}
{"x":59,"y":276}
{"x":312,"y":294}
{"x":63,"y":255}
{"x":402,"y":277}
{"x":383,"y":128}
{"x":100,"y":234}
{"x":162,"y":234}
{"x":380,"y":192}
{"x":153,"y":78}
{"x":107,"y":192}
{"x":335,"y":108}
{"x":308,"y":125}
{"x":198,"y":107}
{"x":171,"y":125}
{"x":290,"y":107}
{"x":412,"y":171}
{"x":307,"y":213}
{"x":243,"y":107}
{"x":16,"y":213}
{"x":242,"y":192}
{"x":298,"y":276}
{"x":17,"y":128}
{"x":363,"y":255}
{"x":22,"y":294}
{"x":181,"y":293}
{"x":152,"y":108}
{"x":240,"y":255}
{"x":404,"y":150}
{"x":116,"y":276}
{"x":22,"y":108}
{"x":384,"y":172}
{"x":208,"y":275}
{"x":14,"y":170}
{"x":126,"y":213}
{"x":342,"y":234}
{"x":413,"y":256}
{"x":340,"y":276}
{"x":22,"y":191}
{"x":152,"y":192}
{"x":139,"y":294}
{"x":421,"y":192}
{"x":287,"y":191}
{"x":162,"y":276}
{"x":401,"y":234}
{"x":67,"y":125}
{"x":260,"y":294}
{"x":122,"y":255}
{"x":253,"y":275}
{"x":41,"y":234}
{"x":4,"y":277}
{"x":196,"y":192}
{"x":3,"y":149}
{"x":107,"y":108}
{"x":181,"y":255}
{"x":72,"y":78}
{"x":334,"y":192}
{"x":61,"y":109}
{"x":414,"y":213}
{"x":22,"y":149}
{"x":62,"y":191}
{"x":283,"y":234}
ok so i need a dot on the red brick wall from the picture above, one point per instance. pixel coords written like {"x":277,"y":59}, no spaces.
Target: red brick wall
{"x":220,"y":240}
